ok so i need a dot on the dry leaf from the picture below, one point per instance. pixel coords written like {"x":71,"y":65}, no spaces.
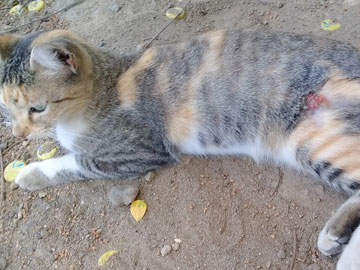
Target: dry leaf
{"x":105,"y":257}
{"x":138,"y":209}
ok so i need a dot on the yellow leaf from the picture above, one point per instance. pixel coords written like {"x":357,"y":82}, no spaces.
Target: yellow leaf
{"x":138,"y":209}
{"x":329,"y":25}
{"x":105,"y":257}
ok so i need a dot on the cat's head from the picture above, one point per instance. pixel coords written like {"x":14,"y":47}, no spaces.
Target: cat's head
{"x":45,"y":78}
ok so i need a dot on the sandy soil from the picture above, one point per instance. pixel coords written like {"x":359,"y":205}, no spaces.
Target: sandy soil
{"x":228,"y":212}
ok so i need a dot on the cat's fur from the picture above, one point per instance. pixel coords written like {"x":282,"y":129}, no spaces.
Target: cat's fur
{"x":288,"y":98}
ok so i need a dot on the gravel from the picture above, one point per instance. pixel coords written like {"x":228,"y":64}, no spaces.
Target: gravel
{"x":175,"y":246}
{"x":281,"y":254}
{"x":3,"y":263}
{"x":165,"y":250}
{"x":123,"y":195}
{"x":149,"y":176}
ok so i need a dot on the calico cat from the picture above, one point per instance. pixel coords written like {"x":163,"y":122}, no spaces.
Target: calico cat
{"x":288,"y":98}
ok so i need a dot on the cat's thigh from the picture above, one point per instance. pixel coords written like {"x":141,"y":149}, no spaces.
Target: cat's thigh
{"x":337,"y":231}
{"x":350,"y":258}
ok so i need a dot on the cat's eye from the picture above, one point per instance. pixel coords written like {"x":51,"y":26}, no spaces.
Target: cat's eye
{"x":38,"y":109}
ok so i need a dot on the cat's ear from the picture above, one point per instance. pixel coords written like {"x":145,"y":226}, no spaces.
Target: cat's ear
{"x":55,"y":56}
{"x":7,"y":44}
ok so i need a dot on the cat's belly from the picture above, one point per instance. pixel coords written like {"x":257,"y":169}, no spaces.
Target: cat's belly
{"x":286,"y":154}
{"x":193,"y":146}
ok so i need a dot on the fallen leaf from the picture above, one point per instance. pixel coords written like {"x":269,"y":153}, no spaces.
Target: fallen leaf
{"x":138,"y":209}
{"x":105,"y":257}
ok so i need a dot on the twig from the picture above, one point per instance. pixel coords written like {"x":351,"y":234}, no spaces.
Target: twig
{"x":12,"y":145}
{"x":281,"y":175}
{"x":2,"y":177}
{"x":166,"y":26}
{"x":44,"y":17}
{"x":294,"y":252}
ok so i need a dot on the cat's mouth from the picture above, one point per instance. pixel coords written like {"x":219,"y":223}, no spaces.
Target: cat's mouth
{"x":44,"y":133}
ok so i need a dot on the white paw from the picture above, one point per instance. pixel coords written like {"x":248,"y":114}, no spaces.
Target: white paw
{"x":350,"y":258}
{"x":330,"y":243}
{"x":31,"y":177}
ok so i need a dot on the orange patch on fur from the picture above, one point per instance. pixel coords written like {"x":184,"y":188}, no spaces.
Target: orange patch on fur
{"x":329,"y":142}
{"x":181,"y":122}
{"x":126,"y":84}
{"x":48,"y":36}
{"x":338,"y":88}
{"x":7,"y":41}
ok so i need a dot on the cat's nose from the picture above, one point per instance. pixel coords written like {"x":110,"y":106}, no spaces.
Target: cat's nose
{"x":19,"y":132}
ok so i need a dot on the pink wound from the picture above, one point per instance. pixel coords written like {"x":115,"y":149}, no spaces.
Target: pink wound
{"x":313,"y":101}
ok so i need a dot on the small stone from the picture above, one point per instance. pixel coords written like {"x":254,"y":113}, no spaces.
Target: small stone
{"x":25,"y":143}
{"x":42,"y":194}
{"x":13,"y":186}
{"x":123,"y":195}
{"x":149,"y":176}
{"x":171,"y":5}
{"x":12,"y":2}
{"x":280,"y":5}
{"x":25,"y":156}
{"x":101,"y":44}
{"x":313,"y":266}
{"x":177,"y":240}
{"x":268,"y":265}
{"x":165,"y":250}
{"x":281,"y":254}
{"x":175,"y":246}
{"x":44,"y":233}
{"x":3,"y":145}
{"x":3,"y":263}
{"x":115,"y":7}
{"x":203,"y":12}
{"x":19,"y":215}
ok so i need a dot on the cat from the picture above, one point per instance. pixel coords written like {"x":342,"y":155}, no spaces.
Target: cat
{"x":293,"y":99}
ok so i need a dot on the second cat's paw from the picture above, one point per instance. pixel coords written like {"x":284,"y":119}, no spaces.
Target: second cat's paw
{"x":350,"y":259}
{"x":330,"y":242}
{"x":31,"y":178}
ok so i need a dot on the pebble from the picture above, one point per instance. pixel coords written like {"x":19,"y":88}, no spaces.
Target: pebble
{"x":25,"y":143}
{"x":43,"y":233}
{"x":19,"y":215}
{"x":171,"y":5}
{"x":12,"y":2}
{"x":25,"y":156}
{"x":42,"y":193}
{"x":123,"y":195}
{"x":13,"y":186}
{"x":3,"y":263}
{"x":3,"y":145}
{"x":177,"y":240}
{"x":175,"y":246}
{"x":281,"y":254}
{"x":280,"y":5}
{"x":313,"y":266}
{"x":268,"y":265}
{"x":165,"y":250}
{"x":101,"y":44}
{"x":115,"y":7}
{"x":149,"y":176}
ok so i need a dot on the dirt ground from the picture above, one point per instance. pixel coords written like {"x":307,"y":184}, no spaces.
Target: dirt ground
{"x":229,"y":213}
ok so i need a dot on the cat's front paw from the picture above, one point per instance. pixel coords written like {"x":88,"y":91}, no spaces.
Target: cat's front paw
{"x":331,"y":242}
{"x":31,"y":178}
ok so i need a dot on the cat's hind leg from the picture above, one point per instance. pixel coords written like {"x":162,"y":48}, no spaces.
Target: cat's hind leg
{"x":327,"y":144}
